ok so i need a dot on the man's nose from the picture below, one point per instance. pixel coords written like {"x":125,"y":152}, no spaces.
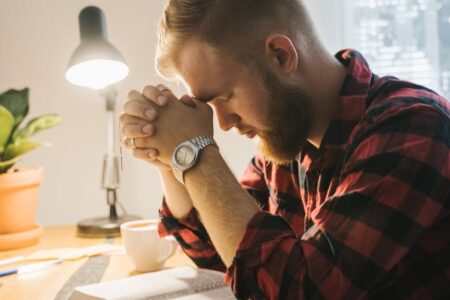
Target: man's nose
{"x":226,"y":119}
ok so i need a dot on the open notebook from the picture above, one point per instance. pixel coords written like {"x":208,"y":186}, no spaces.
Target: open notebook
{"x":185,"y":283}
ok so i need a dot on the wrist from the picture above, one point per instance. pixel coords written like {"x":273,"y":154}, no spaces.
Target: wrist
{"x":187,"y":154}
{"x":165,"y":170}
{"x":176,"y":197}
{"x":209,"y":158}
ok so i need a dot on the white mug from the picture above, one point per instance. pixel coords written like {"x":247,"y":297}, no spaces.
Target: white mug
{"x":146,"y":250}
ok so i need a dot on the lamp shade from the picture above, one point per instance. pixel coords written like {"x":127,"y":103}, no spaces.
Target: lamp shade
{"x":96,"y":63}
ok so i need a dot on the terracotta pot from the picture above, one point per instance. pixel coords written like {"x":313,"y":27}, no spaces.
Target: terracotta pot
{"x":18,"y":199}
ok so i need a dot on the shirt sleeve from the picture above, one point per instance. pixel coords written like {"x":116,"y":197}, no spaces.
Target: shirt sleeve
{"x":190,"y":232}
{"x":254,"y":181}
{"x":394,"y":186}
{"x":191,"y":235}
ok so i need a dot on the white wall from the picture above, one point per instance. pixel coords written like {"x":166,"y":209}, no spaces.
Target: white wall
{"x":37,"y":38}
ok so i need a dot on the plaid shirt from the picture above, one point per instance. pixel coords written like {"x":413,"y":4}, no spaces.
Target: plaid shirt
{"x":365,"y":216}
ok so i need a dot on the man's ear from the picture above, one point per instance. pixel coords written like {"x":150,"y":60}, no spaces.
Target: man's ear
{"x":282,"y":53}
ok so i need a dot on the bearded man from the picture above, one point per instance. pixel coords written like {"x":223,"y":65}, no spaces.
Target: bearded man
{"x":349,"y":196}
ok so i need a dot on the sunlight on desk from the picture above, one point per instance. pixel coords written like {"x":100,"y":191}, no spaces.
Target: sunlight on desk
{"x":47,"y":284}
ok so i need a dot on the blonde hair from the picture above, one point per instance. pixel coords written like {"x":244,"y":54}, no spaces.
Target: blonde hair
{"x":237,"y":28}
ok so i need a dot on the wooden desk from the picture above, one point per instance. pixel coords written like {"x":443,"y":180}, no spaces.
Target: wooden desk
{"x":47,"y":283}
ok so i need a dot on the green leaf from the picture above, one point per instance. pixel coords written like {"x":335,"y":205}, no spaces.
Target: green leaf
{"x":36,"y":125}
{"x":19,"y":148}
{"x":17,"y":103}
{"x":7,"y":123}
{"x":5,"y":165}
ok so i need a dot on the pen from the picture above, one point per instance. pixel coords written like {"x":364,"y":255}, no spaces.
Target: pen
{"x":31,"y":267}
{"x":11,"y":260}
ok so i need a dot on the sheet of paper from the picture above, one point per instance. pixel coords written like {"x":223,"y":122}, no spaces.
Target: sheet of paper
{"x":176,"y":283}
{"x":217,"y":294}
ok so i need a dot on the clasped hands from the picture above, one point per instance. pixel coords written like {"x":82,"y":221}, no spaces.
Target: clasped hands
{"x":158,"y":122}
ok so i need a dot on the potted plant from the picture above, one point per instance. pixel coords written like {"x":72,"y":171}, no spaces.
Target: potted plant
{"x":19,"y":186}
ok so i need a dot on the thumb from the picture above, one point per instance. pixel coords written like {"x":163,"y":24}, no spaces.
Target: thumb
{"x":187,"y":100}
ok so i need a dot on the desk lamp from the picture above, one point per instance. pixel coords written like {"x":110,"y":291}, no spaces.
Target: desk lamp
{"x":97,"y":64}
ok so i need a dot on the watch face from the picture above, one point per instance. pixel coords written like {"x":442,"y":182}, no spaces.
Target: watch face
{"x":185,"y":155}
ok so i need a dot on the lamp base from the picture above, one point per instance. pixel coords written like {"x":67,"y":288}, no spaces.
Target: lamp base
{"x":102,"y":227}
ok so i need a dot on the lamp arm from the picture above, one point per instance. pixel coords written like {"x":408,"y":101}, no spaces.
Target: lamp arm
{"x":110,"y":178}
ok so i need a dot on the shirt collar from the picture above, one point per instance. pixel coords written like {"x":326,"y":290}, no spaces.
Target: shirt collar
{"x":351,"y":102}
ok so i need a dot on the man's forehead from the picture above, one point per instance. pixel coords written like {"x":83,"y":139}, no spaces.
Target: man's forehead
{"x":206,"y":90}
{"x":195,"y":60}
{"x":202,"y":71}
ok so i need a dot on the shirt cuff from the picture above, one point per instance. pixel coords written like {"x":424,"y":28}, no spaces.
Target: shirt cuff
{"x":263,"y":235}
{"x":169,"y":225}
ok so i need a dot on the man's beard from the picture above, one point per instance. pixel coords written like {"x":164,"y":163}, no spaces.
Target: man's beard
{"x":288,"y":116}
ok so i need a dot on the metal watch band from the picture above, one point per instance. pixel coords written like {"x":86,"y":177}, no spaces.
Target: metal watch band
{"x":203,"y":141}
{"x":178,"y":175}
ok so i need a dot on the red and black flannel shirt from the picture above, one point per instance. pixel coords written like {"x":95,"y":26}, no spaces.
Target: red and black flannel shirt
{"x":367,"y":215}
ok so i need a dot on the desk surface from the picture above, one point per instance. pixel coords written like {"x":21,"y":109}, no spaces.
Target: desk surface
{"x":46,"y":284}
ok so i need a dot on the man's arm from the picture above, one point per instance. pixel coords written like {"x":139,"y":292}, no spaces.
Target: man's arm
{"x":139,"y":127}
{"x":176,"y":195}
{"x":178,"y":217}
{"x":191,"y":233}
{"x":224,"y":206}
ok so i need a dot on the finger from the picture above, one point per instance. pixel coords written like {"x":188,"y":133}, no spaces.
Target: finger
{"x":127,"y":143}
{"x":140,"y":108}
{"x":150,"y":155}
{"x":187,"y":100}
{"x":142,"y":142}
{"x":155,"y":95}
{"x":137,"y":130}
{"x":135,"y":95}
{"x":166,"y":91}
{"x":125,"y":119}
{"x":146,"y":153}
{"x":162,"y":87}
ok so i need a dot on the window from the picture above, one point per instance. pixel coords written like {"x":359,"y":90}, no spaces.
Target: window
{"x":409,"y":39}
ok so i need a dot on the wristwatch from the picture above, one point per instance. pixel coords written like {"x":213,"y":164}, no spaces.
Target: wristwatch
{"x":186,"y":155}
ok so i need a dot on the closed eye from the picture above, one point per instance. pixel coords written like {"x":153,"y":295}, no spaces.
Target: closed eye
{"x":230,"y":96}
{"x":213,"y":98}
{"x":202,"y":99}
